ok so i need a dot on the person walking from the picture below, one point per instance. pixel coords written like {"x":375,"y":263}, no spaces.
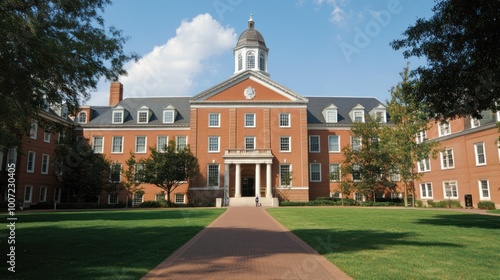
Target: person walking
{"x":256,"y":201}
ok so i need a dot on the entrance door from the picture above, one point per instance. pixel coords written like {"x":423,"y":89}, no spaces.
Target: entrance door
{"x":247,"y":187}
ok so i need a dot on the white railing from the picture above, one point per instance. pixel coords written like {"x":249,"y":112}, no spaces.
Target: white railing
{"x":248,"y":152}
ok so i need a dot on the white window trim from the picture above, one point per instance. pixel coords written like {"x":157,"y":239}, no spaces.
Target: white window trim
{"x":158,"y":148}
{"x":218,"y":144}
{"x":254,"y":120}
{"x":310,"y":143}
{"x":31,"y":193}
{"x":117,"y":112}
{"x":427,"y":185}
{"x":289,"y":144}
{"x":57,"y":194}
{"x":445,"y":195}
{"x":481,"y":197}
{"x":440,"y":132}
{"x":177,"y":141}
{"x":476,"y":155}
{"x":339,"y":171}
{"x":280,"y":177}
{"x":421,"y":136}
{"x":311,"y":172}
{"x":133,"y":199}
{"x":80,"y":117}
{"x":34,"y":130}
{"x":254,"y":142}
{"x":139,"y":113}
{"x":289,"y":120}
{"x":112,"y":144}
{"x":362,"y":112}
{"x":47,"y":164}
{"x":145,"y":145}
{"x":32,"y":169}
{"x":183,"y":198}
{"x":473,"y":123}
{"x":360,"y":143}
{"x":442,"y":154}
{"x":43,"y":189}
{"x":165,"y":112}
{"x":46,"y":136}
{"x":208,"y":175}
{"x":423,"y":161}
{"x":338,"y":138}
{"x":111,"y":173}
{"x":210,"y":117}
{"x":102,"y":144}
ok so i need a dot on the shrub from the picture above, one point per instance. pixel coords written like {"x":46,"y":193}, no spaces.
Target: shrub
{"x":419,"y":203}
{"x":445,"y":204}
{"x":488,"y":205}
{"x":151,"y":204}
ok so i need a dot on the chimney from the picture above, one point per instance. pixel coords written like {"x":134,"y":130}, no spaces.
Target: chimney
{"x":115,"y":93}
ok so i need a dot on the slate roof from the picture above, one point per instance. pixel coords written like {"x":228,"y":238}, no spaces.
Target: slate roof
{"x":102,"y":115}
{"x":344,"y":105}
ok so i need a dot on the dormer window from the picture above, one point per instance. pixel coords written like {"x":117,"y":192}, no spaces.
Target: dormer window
{"x":250,"y":60}
{"x":82,"y":117}
{"x":379,"y":113}
{"x":45,"y":105}
{"x":169,"y":114}
{"x":64,"y":111}
{"x":143,"y":114}
{"x":357,"y":114}
{"x":474,"y":123}
{"x":330,"y":114}
{"x":118,"y":115}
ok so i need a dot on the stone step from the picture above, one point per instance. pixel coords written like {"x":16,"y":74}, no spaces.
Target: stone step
{"x":250,"y":201}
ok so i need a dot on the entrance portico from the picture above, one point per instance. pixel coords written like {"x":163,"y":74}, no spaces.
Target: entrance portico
{"x":244,"y":157}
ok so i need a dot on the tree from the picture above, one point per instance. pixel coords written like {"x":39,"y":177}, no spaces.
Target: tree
{"x":460,"y":43}
{"x":133,"y":177}
{"x":81,"y":171}
{"x":409,"y":120}
{"x":367,"y":160}
{"x":52,"y":52}
{"x":168,"y":169}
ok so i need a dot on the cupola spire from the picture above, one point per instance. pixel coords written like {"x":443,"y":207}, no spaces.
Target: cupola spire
{"x":250,"y":53}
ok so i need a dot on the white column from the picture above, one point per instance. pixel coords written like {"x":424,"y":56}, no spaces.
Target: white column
{"x":226,"y":184}
{"x":257,"y":179}
{"x":269,"y":194}
{"x":237,"y":181}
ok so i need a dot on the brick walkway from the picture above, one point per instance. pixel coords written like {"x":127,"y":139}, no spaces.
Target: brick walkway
{"x":245,"y":243}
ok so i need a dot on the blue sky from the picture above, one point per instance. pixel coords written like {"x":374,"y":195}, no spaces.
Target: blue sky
{"x":316,"y":47}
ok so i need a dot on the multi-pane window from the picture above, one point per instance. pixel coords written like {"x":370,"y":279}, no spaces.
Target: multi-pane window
{"x":356,"y":172}
{"x":57,"y":195}
{"x":97,"y":144}
{"x":355,"y":143}
{"x":484,"y":189}
{"x":474,"y":123}
{"x":43,"y":193}
{"x":46,"y":135}
{"x":139,"y":173}
{"x":447,"y":159}
{"x":421,"y":136}
{"x":285,"y":175}
{"x":250,"y":120}
{"x":315,"y":172}
{"x":160,"y":196}
{"x":214,"y":120}
{"x":450,"y":189}
{"x":113,"y":198}
{"x":359,"y":116}
{"x":12,"y":156}
{"x":250,"y":143}
{"x":444,"y":129}
{"x":285,"y":144}
{"x":34,"y":130}
{"x":168,"y":116}
{"x":137,"y":198}
{"x":480,"y":155}
{"x":82,"y":117}
{"x":142,"y":117}
{"x":28,"y":192}
{"x":284,"y":119}
{"x":140,"y":144}
{"x":240,"y":62}
{"x":213,"y":143}
{"x":314,"y":144}
{"x":359,"y":197}
{"x":333,"y":144}
{"x":394,"y":175}
{"x":334,"y":172}
{"x":250,"y":60}
{"x":213,"y":175}
{"x":424,"y":165}
{"x":117,"y":146}
{"x":181,"y":142}
{"x":179,"y":198}
{"x":31,"y":162}
{"x":118,"y":117}
{"x":331,"y":116}
{"x":115,"y":173}
{"x":262,"y":62}
{"x":161,"y":143}
{"x":45,"y":164}
{"x":426,"y":190}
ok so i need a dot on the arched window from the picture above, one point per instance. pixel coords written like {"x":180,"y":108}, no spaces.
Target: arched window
{"x":250,"y":60}
{"x":262,"y":62}
{"x":240,"y":62}
{"x":82,"y":118}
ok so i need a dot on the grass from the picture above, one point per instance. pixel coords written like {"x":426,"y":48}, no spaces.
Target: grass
{"x":120,"y":244}
{"x":497,"y":211}
{"x":400,"y":244}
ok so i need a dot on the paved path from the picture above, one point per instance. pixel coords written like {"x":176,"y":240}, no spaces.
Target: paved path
{"x":245,"y":243}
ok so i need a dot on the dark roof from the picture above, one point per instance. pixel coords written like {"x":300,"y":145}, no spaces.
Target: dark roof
{"x":344,"y":105}
{"x":132,"y":105}
{"x":251,"y":37}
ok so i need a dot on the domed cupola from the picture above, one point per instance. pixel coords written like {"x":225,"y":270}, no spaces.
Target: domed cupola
{"x":250,"y":53}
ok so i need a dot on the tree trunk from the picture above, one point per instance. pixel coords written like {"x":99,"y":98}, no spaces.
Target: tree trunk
{"x":406,"y":194}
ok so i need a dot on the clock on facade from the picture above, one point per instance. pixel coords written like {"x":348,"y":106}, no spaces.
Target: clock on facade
{"x":249,"y":93}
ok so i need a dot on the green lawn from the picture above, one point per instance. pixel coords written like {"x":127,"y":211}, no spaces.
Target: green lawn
{"x":119,"y":244}
{"x":497,"y":211}
{"x":369,"y":243}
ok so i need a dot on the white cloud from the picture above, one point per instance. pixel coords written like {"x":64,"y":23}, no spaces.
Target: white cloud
{"x":338,"y":14}
{"x":172,"y":69}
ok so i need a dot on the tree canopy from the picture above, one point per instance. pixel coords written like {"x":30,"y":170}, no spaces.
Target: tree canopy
{"x":461,"y":45}
{"x":53,"y":52}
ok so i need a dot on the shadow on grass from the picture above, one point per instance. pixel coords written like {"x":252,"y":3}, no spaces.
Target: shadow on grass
{"x":463,"y":221}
